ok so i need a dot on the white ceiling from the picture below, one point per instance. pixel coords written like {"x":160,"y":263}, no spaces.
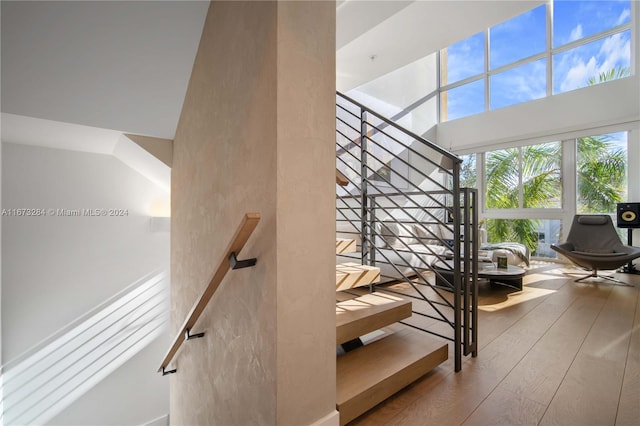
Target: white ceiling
{"x":125,"y":65}
{"x":412,"y":32}
{"x":121,"y":65}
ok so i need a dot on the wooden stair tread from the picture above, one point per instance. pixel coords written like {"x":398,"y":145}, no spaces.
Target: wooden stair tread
{"x":361,"y":315}
{"x":345,"y":245}
{"x":368,"y":375}
{"x":341,"y":179}
{"x":350,"y":275}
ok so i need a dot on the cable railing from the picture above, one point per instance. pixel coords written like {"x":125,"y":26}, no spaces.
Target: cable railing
{"x":403,"y":202}
{"x":228,"y":261}
{"x":47,"y":378}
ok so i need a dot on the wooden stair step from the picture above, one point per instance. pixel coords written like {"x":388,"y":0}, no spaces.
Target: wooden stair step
{"x":341,"y":179}
{"x":350,"y":275}
{"x":345,"y":245}
{"x":368,"y":375}
{"x":361,"y":315}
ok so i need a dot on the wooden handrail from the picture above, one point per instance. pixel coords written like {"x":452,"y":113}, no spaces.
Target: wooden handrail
{"x":248,"y":224}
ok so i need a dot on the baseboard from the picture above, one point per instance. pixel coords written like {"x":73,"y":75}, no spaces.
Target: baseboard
{"x":331,"y":419}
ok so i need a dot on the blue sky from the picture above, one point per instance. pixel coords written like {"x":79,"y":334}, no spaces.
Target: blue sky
{"x":525,"y":35}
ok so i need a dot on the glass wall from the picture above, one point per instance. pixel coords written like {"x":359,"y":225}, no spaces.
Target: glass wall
{"x":601,"y":172}
{"x":524,"y":177}
{"x":522,"y":187}
{"x":516,"y":61}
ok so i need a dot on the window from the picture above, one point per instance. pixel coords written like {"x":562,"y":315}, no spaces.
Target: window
{"x":537,"y":234}
{"x":548,"y":233}
{"x":521,"y":84}
{"x":601,"y":172}
{"x":518,"y":180}
{"x":528,"y":29}
{"x":575,"y":20}
{"x":592,"y":63}
{"x":502,"y":179}
{"x":591,"y":45}
{"x":541,"y":183}
{"x":462,"y":60}
{"x":468,"y":171}
{"x":463,"y":101}
{"x":526,"y":177}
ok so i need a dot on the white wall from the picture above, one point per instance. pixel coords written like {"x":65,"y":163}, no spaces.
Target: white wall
{"x":57,"y":268}
{"x":110,"y":402}
{"x":611,"y":106}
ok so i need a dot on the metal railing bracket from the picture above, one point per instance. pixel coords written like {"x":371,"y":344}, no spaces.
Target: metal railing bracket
{"x":239,"y":264}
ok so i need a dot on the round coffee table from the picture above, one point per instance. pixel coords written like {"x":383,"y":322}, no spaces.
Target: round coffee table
{"x":511,"y":276}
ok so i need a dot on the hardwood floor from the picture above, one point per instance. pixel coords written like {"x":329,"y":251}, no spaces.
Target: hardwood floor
{"x":559,"y":352}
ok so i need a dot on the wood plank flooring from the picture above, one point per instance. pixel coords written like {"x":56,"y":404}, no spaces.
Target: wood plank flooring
{"x":557,"y":353}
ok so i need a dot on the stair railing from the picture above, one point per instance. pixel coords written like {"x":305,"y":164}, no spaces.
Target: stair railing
{"x":397,"y":179}
{"x":228,"y":261}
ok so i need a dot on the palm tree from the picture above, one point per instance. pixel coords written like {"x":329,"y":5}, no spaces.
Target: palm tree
{"x":601,"y":174}
{"x":530,"y":173}
{"x":612,"y":74}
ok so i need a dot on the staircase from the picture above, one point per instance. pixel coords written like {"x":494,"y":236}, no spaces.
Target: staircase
{"x":399,"y":211}
{"x":368,"y":373}
{"x":399,"y":196}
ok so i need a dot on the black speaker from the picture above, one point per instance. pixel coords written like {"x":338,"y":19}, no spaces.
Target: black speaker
{"x":628,"y":215}
{"x":449,"y":215}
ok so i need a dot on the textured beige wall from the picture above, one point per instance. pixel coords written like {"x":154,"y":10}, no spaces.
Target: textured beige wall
{"x":306,"y":211}
{"x":256,"y":134}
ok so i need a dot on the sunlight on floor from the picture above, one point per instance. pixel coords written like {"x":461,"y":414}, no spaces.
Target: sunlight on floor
{"x":528,"y":293}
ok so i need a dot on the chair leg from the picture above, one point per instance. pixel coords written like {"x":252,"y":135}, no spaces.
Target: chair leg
{"x":594,"y":274}
{"x":615,"y":281}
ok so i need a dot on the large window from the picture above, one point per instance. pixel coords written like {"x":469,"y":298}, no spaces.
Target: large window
{"x":468,"y":174}
{"x":520,"y":178}
{"x":463,"y":59}
{"x":575,"y":20}
{"x":601,"y":172}
{"x":591,"y":44}
{"x":518,"y":38}
{"x":463,"y":101}
{"x":536,"y":234}
{"x":521,"y":84}
{"x":592,"y":63}
{"x":525,"y":177}
{"x":522,"y":187}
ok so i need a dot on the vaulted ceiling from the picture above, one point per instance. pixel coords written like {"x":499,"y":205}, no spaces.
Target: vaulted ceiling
{"x":125,"y":65}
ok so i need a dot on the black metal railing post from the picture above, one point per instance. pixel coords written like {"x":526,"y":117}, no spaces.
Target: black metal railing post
{"x":457,"y":265}
{"x":364,"y":199}
{"x":474,"y":300}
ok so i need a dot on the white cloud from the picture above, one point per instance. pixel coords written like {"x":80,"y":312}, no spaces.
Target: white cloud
{"x":576,"y":33}
{"x":624,"y":17}
{"x":465,"y":58}
{"x":579,"y":73}
{"x":521,"y":84}
{"x":615,"y":51}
